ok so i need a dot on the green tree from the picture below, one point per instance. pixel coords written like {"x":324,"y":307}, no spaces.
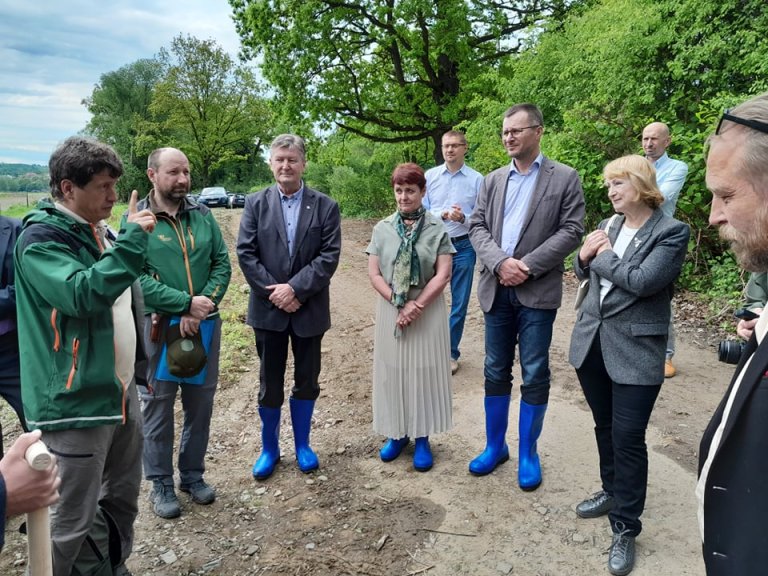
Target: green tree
{"x":209,"y":107}
{"x":119,"y":105}
{"x":388,"y":70}
{"x":604,"y":73}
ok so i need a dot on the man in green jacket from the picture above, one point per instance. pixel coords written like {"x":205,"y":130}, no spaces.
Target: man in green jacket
{"x":185,"y":277}
{"x":79,"y":310}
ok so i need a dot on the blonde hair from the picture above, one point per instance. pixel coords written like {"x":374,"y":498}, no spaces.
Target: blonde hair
{"x":640,"y":173}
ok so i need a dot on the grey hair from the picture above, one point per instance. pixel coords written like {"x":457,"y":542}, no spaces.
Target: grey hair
{"x":78,"y":159}
{"x":755,"y":157}
{"x":291,"y":142}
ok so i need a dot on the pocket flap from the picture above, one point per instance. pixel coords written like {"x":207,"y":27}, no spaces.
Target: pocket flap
{"x":649,"y":329}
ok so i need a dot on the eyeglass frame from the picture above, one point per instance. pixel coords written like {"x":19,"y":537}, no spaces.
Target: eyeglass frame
{"x":517,"y":131}
{"x":748,"y":122}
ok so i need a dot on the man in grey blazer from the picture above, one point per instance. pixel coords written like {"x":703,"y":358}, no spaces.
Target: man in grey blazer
{"x":528,"y":217}
{"x":288,"y":248}
{"x":732,"y":491}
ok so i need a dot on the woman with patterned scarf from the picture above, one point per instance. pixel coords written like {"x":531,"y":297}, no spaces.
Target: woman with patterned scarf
{"x":409,"y":264}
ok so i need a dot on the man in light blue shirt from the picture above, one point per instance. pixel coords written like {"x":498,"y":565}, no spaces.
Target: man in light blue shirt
{"x":452,"y":189}
{"x":670,"y":177}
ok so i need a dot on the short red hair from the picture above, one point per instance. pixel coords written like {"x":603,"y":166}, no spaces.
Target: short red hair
{"x":409,"y":173}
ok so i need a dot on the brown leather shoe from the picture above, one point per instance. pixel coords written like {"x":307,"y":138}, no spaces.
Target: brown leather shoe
{"x":669,"y":369}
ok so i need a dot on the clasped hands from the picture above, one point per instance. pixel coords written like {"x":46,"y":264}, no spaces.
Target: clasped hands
{"x":512,"y":272}
{"x":284,"y":297}
{"x":595,"y":243}
{"x":199,"y":309}
{"x":409,"y":313}
{"x":454,"y":214}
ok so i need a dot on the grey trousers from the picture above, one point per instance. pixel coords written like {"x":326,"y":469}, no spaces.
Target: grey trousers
{"x":158,"y":411}
{"x":97,"y":466}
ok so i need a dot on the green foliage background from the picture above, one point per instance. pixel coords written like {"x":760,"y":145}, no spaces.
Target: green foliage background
{"x":374,"y":83}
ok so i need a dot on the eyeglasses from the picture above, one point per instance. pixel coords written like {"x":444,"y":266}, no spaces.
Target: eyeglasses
{"x":517,"y":131}
{"x":749,"y":123}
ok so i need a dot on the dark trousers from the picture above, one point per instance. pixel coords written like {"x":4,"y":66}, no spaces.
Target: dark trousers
{"x":10,"y":378}
{"x":272,"y":348}
{"x":621,"y":413}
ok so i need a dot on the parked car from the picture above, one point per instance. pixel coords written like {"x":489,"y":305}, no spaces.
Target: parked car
{"x":236,"y":200}
{"x":214,"y":196}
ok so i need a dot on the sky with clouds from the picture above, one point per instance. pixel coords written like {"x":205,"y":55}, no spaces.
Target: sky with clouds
{"x":53,"y":52}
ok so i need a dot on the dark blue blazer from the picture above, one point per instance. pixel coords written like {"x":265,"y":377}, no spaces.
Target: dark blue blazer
{"x":9,"y":231}
{"x":262,"y":251}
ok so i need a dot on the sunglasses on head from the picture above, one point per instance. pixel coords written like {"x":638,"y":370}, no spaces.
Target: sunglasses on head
{"x":749,"y":123}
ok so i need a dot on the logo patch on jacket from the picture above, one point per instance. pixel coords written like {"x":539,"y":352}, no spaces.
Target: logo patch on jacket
{"x":163,"y":238}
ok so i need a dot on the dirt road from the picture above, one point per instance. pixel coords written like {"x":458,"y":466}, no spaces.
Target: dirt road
{"x":359,"y":516}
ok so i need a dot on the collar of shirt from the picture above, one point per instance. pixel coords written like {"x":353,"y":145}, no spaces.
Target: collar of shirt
{"x":660,"y":161}
{"x":537,"y":163}
{"x":444,"y":169}
{"x":297,"y":195}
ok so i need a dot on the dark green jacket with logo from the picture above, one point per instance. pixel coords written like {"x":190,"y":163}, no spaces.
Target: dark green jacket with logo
{"x":65,"y":289}
{"x":184,"y":249}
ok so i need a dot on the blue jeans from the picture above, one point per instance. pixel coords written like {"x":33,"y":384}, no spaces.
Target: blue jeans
{"x":509,"y":323}
{"x":462,"y":273}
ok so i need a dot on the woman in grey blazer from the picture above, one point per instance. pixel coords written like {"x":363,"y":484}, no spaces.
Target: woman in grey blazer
{"x":618,"y":344}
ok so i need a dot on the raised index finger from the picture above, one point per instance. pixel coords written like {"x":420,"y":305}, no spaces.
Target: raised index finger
{"x":133,"y":202}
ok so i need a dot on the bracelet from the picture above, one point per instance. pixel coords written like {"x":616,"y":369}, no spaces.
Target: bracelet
{"x":419,"y":306}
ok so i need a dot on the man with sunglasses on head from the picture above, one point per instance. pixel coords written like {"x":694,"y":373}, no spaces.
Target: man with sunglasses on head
{"x":452,"y":191}
{"x":528,"y":217}
{"x":670,"y":178}
{"x":732,"y":491}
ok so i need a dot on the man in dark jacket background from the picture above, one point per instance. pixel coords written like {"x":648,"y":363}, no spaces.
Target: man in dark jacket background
{"x":288,"y":247}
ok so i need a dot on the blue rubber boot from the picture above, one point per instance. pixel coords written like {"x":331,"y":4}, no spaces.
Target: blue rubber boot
{"x":422,"y":455}
{"x":270,"y":448}
{"x":301,"y":419}
{"x":392,"y":448}
{"x":530,"y":425}
{"x":496,"y":451}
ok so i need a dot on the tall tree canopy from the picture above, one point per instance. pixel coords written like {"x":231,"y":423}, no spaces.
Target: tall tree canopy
{"x":192,"y":96}
{"x":388,"y":70}
{"x":209,"y":106}
{"x":119,"y":107}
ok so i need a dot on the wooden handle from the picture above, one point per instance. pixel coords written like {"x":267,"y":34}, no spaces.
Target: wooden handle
{"x":39,"y":522}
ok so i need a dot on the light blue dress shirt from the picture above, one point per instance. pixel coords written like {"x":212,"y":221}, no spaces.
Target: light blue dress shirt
{"x":516,"y":200}
{"x":291,"y":209}
{"x":444,"y":189}
{"x":670,"y":178}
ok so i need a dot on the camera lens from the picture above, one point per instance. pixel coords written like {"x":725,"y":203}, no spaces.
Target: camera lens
{"x":729,"y":351}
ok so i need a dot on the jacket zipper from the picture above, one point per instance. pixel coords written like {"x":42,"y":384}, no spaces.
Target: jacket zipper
{"x":56,"y":335}
{"x":75,"y":346}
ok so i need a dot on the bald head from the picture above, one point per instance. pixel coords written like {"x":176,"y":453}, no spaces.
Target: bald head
{"x":656,"y":140}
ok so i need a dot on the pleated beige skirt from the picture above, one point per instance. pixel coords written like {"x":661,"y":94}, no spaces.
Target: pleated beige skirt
{"x":412,"y":373}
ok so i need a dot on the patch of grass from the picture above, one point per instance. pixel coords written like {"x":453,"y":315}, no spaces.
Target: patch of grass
{"x":237,"y":343}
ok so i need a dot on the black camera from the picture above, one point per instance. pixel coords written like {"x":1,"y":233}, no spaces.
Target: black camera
{"x":730,"y":351}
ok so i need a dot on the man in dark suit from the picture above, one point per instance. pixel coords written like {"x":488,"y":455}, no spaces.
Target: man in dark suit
{"x":732,"y":491}
{"x":528,"y":217}
{"x":288,"y":249}
{"x":10,"y":377}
